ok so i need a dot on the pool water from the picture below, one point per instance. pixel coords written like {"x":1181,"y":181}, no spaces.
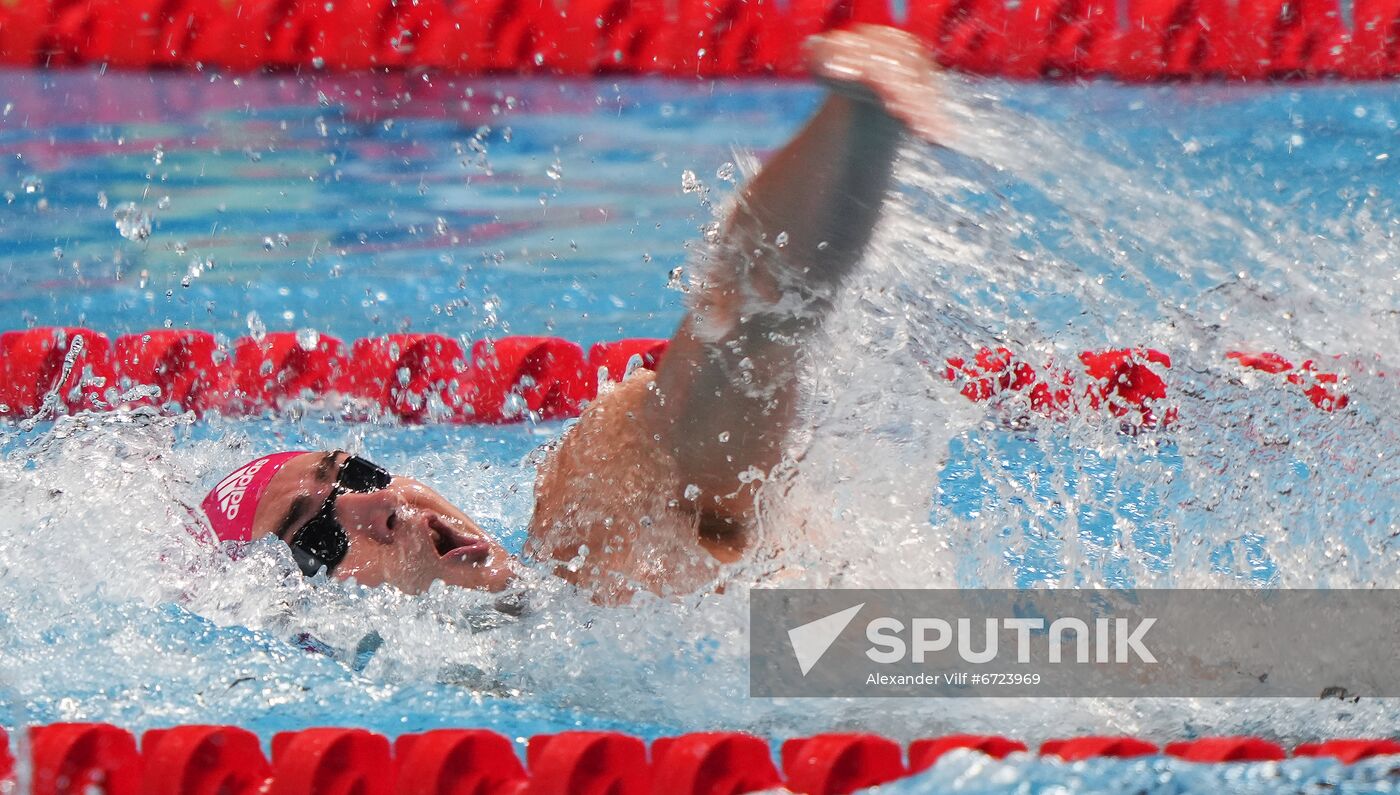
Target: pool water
{"x":1195,"y":219}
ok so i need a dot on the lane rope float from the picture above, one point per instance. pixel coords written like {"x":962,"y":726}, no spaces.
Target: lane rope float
{"x":74,"y":758}
{"x":1145,"y":40}
{"x":417,"y":378}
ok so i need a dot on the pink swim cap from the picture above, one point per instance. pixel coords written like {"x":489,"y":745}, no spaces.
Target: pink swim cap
{"x":231,"y":505}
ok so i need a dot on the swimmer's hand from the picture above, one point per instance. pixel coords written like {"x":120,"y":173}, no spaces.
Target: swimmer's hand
{"x":885,"y":65}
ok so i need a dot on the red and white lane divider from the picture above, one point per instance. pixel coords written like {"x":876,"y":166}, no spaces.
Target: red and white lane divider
{"x":416,"y":377}
{"x":80,"y":758}
{"x":1128,"y":383}
{"x":434,"y":378}
{"x":1135,"y":40}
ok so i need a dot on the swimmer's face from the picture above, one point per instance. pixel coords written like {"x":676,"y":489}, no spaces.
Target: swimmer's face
{"x":405,"y":535}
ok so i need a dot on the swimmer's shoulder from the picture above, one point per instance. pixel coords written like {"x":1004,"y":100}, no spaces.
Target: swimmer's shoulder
{"x":628,"y":395}
{"x":609,"y":457}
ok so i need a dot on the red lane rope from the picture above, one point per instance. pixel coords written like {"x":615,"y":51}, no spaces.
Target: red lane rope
{"x":434,"y":378}
{"x":76,"y":758}
{"x":1151,"y":40}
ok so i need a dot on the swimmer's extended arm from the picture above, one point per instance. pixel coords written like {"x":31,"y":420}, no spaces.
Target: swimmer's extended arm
{"x":657,"y":461}
{"x":726,"y":384}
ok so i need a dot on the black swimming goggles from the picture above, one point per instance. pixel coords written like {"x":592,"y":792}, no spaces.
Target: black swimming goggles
{"x":322,"y":542}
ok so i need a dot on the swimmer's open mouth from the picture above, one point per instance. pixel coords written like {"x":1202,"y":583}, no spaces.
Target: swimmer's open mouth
{"x":452,"y":543}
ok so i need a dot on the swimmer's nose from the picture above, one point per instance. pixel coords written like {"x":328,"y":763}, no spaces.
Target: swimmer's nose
{"x":377,"y":514}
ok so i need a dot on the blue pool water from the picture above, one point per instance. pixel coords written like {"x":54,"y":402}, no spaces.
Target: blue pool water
{"x":1195,"y":219}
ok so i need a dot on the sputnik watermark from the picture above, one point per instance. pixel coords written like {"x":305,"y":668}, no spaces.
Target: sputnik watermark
{"x":887,"y":635}
{"x":928,"y":636}
{"x":1073,"y":643}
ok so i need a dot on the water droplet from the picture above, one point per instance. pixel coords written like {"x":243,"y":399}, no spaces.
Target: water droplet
{"x":555,"y":170}
{"x":164,"y":203}
{"x":440,"y":226}
{"x":725,"y":172}
{"x":267,"y":244}
{"x":132,"y":222}
{"x":318,"y":62}
{"x":32,"y":185}
{"x":158,"y":155}
{"x":58,"y":252}
{"x":674,"y":280}
{"x":514,"y":406}
{"x":781,"y":240}
{"x":101,"y":200}
{"x":692,"y":492}
{"x":181,"y":247}
{"x":256,"y":328}
{"x":575,"y":563}
{"x":323,"y":100}
{"x":308,"y":338}
{"x":724,"y":437}
{"x":689,"y":182}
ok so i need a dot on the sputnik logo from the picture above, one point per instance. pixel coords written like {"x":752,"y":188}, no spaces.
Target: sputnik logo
{"x":811,"y":640}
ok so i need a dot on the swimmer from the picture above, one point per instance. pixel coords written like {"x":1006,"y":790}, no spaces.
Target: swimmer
{"x":683,"y":442}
